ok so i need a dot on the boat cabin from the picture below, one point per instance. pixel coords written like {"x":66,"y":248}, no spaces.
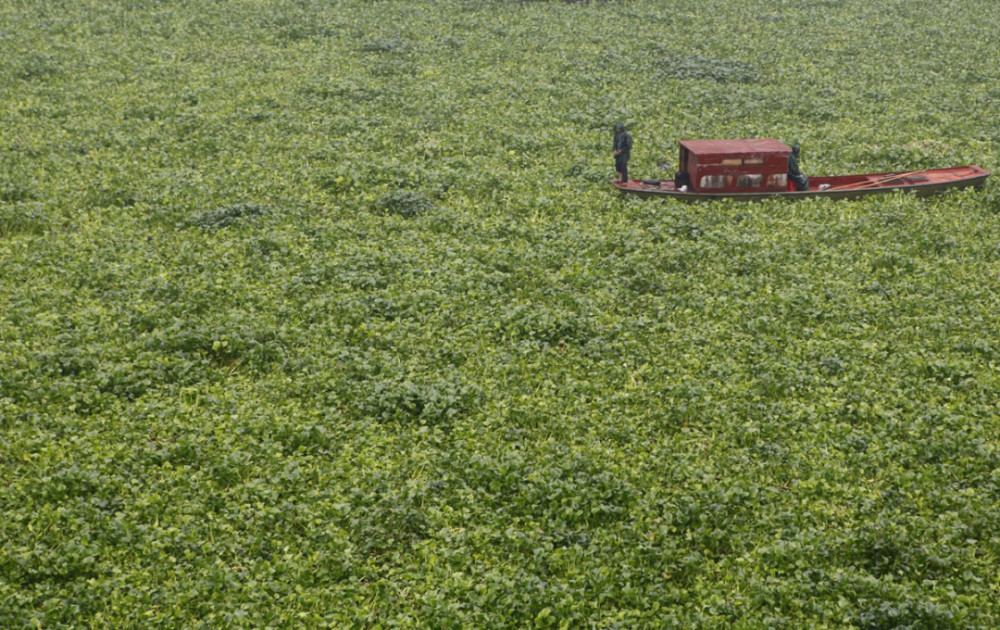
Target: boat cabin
{"x":753,"y":165}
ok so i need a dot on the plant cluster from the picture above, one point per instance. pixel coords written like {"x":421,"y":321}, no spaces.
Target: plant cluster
{"x":322,"y":314}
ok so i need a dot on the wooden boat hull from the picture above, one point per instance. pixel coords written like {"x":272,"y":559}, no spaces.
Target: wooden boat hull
{"x":920,"y":183}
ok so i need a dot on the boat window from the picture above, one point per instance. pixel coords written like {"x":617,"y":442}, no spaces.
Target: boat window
{"x":753,"y":161}
{"x":777,"y":181}
{"x":750,"y":181}
{"x":713,"y":181}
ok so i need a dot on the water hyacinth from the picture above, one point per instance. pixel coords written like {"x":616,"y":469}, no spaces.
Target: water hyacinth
{"x":324,"y":315}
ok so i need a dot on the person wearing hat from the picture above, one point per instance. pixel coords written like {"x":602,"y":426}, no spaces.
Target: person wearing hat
{"x":622,"y":148}
{"x":795,"y":174}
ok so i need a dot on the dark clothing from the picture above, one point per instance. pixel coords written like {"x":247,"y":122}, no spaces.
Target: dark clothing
{"x":621,"y":166}
{"x":623,"y":143}
{"x":795,"y":174}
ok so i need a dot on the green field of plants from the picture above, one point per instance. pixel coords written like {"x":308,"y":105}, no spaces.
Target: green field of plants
{"x":323,"y":314}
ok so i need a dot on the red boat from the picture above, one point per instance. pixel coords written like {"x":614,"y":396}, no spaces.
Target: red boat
{"x":757,"y":168}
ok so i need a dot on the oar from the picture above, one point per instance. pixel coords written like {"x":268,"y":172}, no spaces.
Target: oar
{"x":875,"y":182}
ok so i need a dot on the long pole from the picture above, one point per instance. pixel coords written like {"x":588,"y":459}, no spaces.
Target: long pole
{"x":876,"y":182}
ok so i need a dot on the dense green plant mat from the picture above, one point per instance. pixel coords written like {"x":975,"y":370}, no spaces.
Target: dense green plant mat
{"x":323,"y":313}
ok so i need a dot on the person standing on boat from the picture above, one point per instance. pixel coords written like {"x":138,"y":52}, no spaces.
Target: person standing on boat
{"x":795,"y":174}
{"x":622,"y":148}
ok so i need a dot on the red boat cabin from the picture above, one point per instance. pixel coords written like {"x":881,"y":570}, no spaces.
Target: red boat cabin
{"x":754,"y":165}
